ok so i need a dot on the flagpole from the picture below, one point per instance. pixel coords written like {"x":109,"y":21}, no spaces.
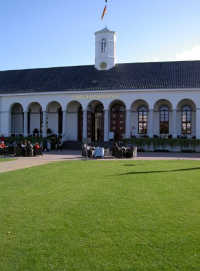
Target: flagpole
{"x":104,"y":10}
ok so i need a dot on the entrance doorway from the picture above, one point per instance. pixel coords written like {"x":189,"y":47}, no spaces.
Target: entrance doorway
{"x":117,"y":120}
{"x":95,"y":122}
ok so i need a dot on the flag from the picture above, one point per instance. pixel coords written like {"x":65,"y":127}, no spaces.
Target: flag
{"x":104,"y":12}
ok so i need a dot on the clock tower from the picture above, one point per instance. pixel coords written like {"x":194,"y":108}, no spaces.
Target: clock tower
{"x":105,"y":49}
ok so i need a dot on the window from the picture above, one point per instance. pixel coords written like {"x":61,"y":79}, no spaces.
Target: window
{"x":186,"y":120}
{"x":103,"y":45}
{"x":164,"y":120}
{"x":142,"y":120}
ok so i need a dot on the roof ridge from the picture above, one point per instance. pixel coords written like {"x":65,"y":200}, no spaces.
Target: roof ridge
{"x":92,"y":65}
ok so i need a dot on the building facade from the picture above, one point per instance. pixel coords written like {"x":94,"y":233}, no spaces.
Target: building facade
{"x":104,"y":101}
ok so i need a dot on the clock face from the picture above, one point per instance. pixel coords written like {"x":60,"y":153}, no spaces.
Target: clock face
{"x":103,"y":65}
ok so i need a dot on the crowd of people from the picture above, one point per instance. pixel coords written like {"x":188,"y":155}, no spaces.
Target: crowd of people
{"x":117,"y":149}
{"x":26,"y":147}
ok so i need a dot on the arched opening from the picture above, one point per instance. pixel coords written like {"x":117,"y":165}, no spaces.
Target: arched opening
{"x":118,"y":119}
{"x":74,"y":125}
{"x":163,"y":118}
{"x":34,"y":119}
{"x":54,"y":118}
{"x":186,"y":111}
{"x":142,"y":120}
{"x":95,"y":122}
{"x":139,"y":118}
{"x":186,"y":120}
{"x":17,"y":119}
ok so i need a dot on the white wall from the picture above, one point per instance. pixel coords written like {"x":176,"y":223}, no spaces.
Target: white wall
{"x":134,"y":122}
{"x":84,"y":98}
{"x":0,"y":116}
{"x":156,"y":126}
{"x":170,"y":123}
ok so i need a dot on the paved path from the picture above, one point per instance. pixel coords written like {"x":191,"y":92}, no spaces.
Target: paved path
{"x":26,"y":162}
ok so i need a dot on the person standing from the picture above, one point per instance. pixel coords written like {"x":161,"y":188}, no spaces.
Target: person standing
{"x":59,"y":144}
{"x":45,"y":145}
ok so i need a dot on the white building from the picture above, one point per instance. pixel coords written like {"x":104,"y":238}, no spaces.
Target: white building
{"x":97,"y":102}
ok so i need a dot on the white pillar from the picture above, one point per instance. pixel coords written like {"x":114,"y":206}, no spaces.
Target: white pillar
{"x":198,"y":123}
{"x":174,"y":122}
{"x":85,"y":125}
{"x":64,"y":124}
{"x":0,"y":124}
{"x":150,"y":123}
{"x":6,"y":123}
{"x":106,"y":130}
{"x":25,"y":123}
{"x":128,"y":123}
{"x":44,"y":124}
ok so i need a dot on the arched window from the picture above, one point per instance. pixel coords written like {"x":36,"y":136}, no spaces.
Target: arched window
{"x":142,"y":120}
{"x":186,"y":120}
{"x":103,"y":45}
{"x":164,"y":119}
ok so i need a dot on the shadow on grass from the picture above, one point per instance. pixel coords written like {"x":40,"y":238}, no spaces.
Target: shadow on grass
{"x":159,"y":171}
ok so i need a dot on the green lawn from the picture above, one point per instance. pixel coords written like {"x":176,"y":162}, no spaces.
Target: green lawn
{"x":6,"y":159}
{"x":101,"y":215}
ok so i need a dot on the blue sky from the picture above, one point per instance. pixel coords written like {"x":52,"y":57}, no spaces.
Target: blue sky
{"x":48,"y":33}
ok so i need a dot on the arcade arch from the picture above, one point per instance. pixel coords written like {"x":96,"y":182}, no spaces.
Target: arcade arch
{"x":186,"y":116}
{"x":17,"y":119}
{"x":74,"y":122}
{"x":54,"y":118}
{"x":95,"y":121}
{"x":34,"y":118}
{"x":163,"y":117}
{"x":139,"y":117}
{"x":118,"y":119}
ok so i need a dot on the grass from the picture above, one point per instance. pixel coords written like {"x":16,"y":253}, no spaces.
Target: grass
{"x":101,"y":216}
{"x":5,"y":159}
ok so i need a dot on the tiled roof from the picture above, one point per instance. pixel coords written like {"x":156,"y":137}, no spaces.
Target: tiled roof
{"x":154,"y":75}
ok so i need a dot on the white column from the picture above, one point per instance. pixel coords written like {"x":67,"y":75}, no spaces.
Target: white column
{"x":64,"y":124}
{"x":150,"y":123}
{"x":174,"y":122}
{"x":6,"y":123}
{"x":106,"y":130}
{"x":198,"y":123}
{"x":85,"y":125}
{"x":44,"y":124}
{"x":25,"y":123}
{"x":128,"y":123}
{"x":0,"y":123}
